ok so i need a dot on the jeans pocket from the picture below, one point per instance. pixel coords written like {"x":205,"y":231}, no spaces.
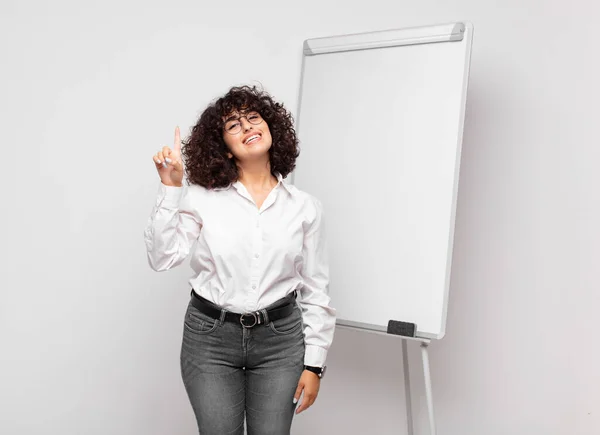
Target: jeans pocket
{"x":287,"y":325}
{"x":199,"y":323}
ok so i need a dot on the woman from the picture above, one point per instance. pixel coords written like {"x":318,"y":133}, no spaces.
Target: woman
{"x":258,"y":325}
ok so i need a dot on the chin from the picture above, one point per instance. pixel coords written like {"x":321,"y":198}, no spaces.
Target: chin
{"x":258,"y":147}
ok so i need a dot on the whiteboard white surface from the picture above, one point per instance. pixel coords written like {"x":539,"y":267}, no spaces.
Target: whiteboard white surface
{"x":380,"y":134}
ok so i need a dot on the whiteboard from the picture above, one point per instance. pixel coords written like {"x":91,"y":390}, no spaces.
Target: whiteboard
{"x":380,"y":122}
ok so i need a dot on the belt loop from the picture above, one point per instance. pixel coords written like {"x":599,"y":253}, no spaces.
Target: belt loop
{"x":222,"y":318}
{"x":265,"y":316}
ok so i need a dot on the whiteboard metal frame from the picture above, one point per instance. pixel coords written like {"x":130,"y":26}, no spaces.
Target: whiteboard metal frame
{"x":441,"y":33}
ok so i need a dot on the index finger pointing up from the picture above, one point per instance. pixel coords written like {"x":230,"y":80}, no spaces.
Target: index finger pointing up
{"x":177,"y":145}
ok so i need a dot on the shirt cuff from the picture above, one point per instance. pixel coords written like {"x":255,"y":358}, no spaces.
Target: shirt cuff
{"x":315,"y":355}
{"x":169,"y":196}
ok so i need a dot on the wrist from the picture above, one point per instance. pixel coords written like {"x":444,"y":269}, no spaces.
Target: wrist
{"x":319,"y":371}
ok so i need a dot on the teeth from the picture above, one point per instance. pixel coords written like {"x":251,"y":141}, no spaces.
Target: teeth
{"x":251,"y":138}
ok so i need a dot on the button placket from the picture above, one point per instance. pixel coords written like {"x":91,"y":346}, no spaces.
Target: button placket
{"x":255,"y":264}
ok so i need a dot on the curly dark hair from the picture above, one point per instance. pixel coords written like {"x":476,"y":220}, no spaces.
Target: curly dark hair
{"x":205,"y":152}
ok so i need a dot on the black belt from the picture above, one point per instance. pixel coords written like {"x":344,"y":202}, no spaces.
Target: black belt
{"x":247,"y":320}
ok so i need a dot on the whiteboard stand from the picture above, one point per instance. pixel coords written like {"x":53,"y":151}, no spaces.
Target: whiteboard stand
{"x":406,"y":369}
{"x":428,"y":390}
{"x":409,"y":419}
{"x":416,"y":80}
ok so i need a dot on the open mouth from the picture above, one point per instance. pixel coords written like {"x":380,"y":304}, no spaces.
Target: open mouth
{"x":252,"y":139}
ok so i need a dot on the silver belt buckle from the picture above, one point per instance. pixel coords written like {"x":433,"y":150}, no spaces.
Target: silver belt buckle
{"x":248,"y":314}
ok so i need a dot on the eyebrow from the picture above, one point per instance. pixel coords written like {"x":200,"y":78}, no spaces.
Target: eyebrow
{"x":240,"y":112}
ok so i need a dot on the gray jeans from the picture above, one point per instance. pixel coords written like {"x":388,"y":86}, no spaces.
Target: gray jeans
{"x":231,"y":372}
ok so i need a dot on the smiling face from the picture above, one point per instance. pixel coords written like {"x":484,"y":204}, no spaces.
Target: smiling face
{"x":247,"y":135}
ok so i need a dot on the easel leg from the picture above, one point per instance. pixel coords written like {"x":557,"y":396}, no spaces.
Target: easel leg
{"x":428,"y":390}
{"x":409,"y":415}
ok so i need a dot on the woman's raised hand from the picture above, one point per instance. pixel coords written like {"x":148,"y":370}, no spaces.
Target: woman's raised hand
{"x":169,"y":164}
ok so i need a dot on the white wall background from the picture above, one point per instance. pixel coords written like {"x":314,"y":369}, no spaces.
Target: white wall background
{"x":90,"y":336}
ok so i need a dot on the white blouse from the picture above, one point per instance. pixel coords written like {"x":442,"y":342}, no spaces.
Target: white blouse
{"x":247,"y":258}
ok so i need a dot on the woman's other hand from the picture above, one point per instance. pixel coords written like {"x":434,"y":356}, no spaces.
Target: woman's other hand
{"x":309,"y":383}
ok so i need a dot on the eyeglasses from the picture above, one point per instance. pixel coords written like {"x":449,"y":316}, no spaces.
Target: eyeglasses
{"x":234,"y":126}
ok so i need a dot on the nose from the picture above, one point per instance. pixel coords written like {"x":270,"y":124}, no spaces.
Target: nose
{"x":245,"y":124}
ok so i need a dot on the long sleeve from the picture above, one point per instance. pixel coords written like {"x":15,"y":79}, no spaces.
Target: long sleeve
{"x":319,"y":318}
{"x":172,"y":228}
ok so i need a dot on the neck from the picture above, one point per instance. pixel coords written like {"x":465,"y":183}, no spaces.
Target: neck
{"x":257,"y":176}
